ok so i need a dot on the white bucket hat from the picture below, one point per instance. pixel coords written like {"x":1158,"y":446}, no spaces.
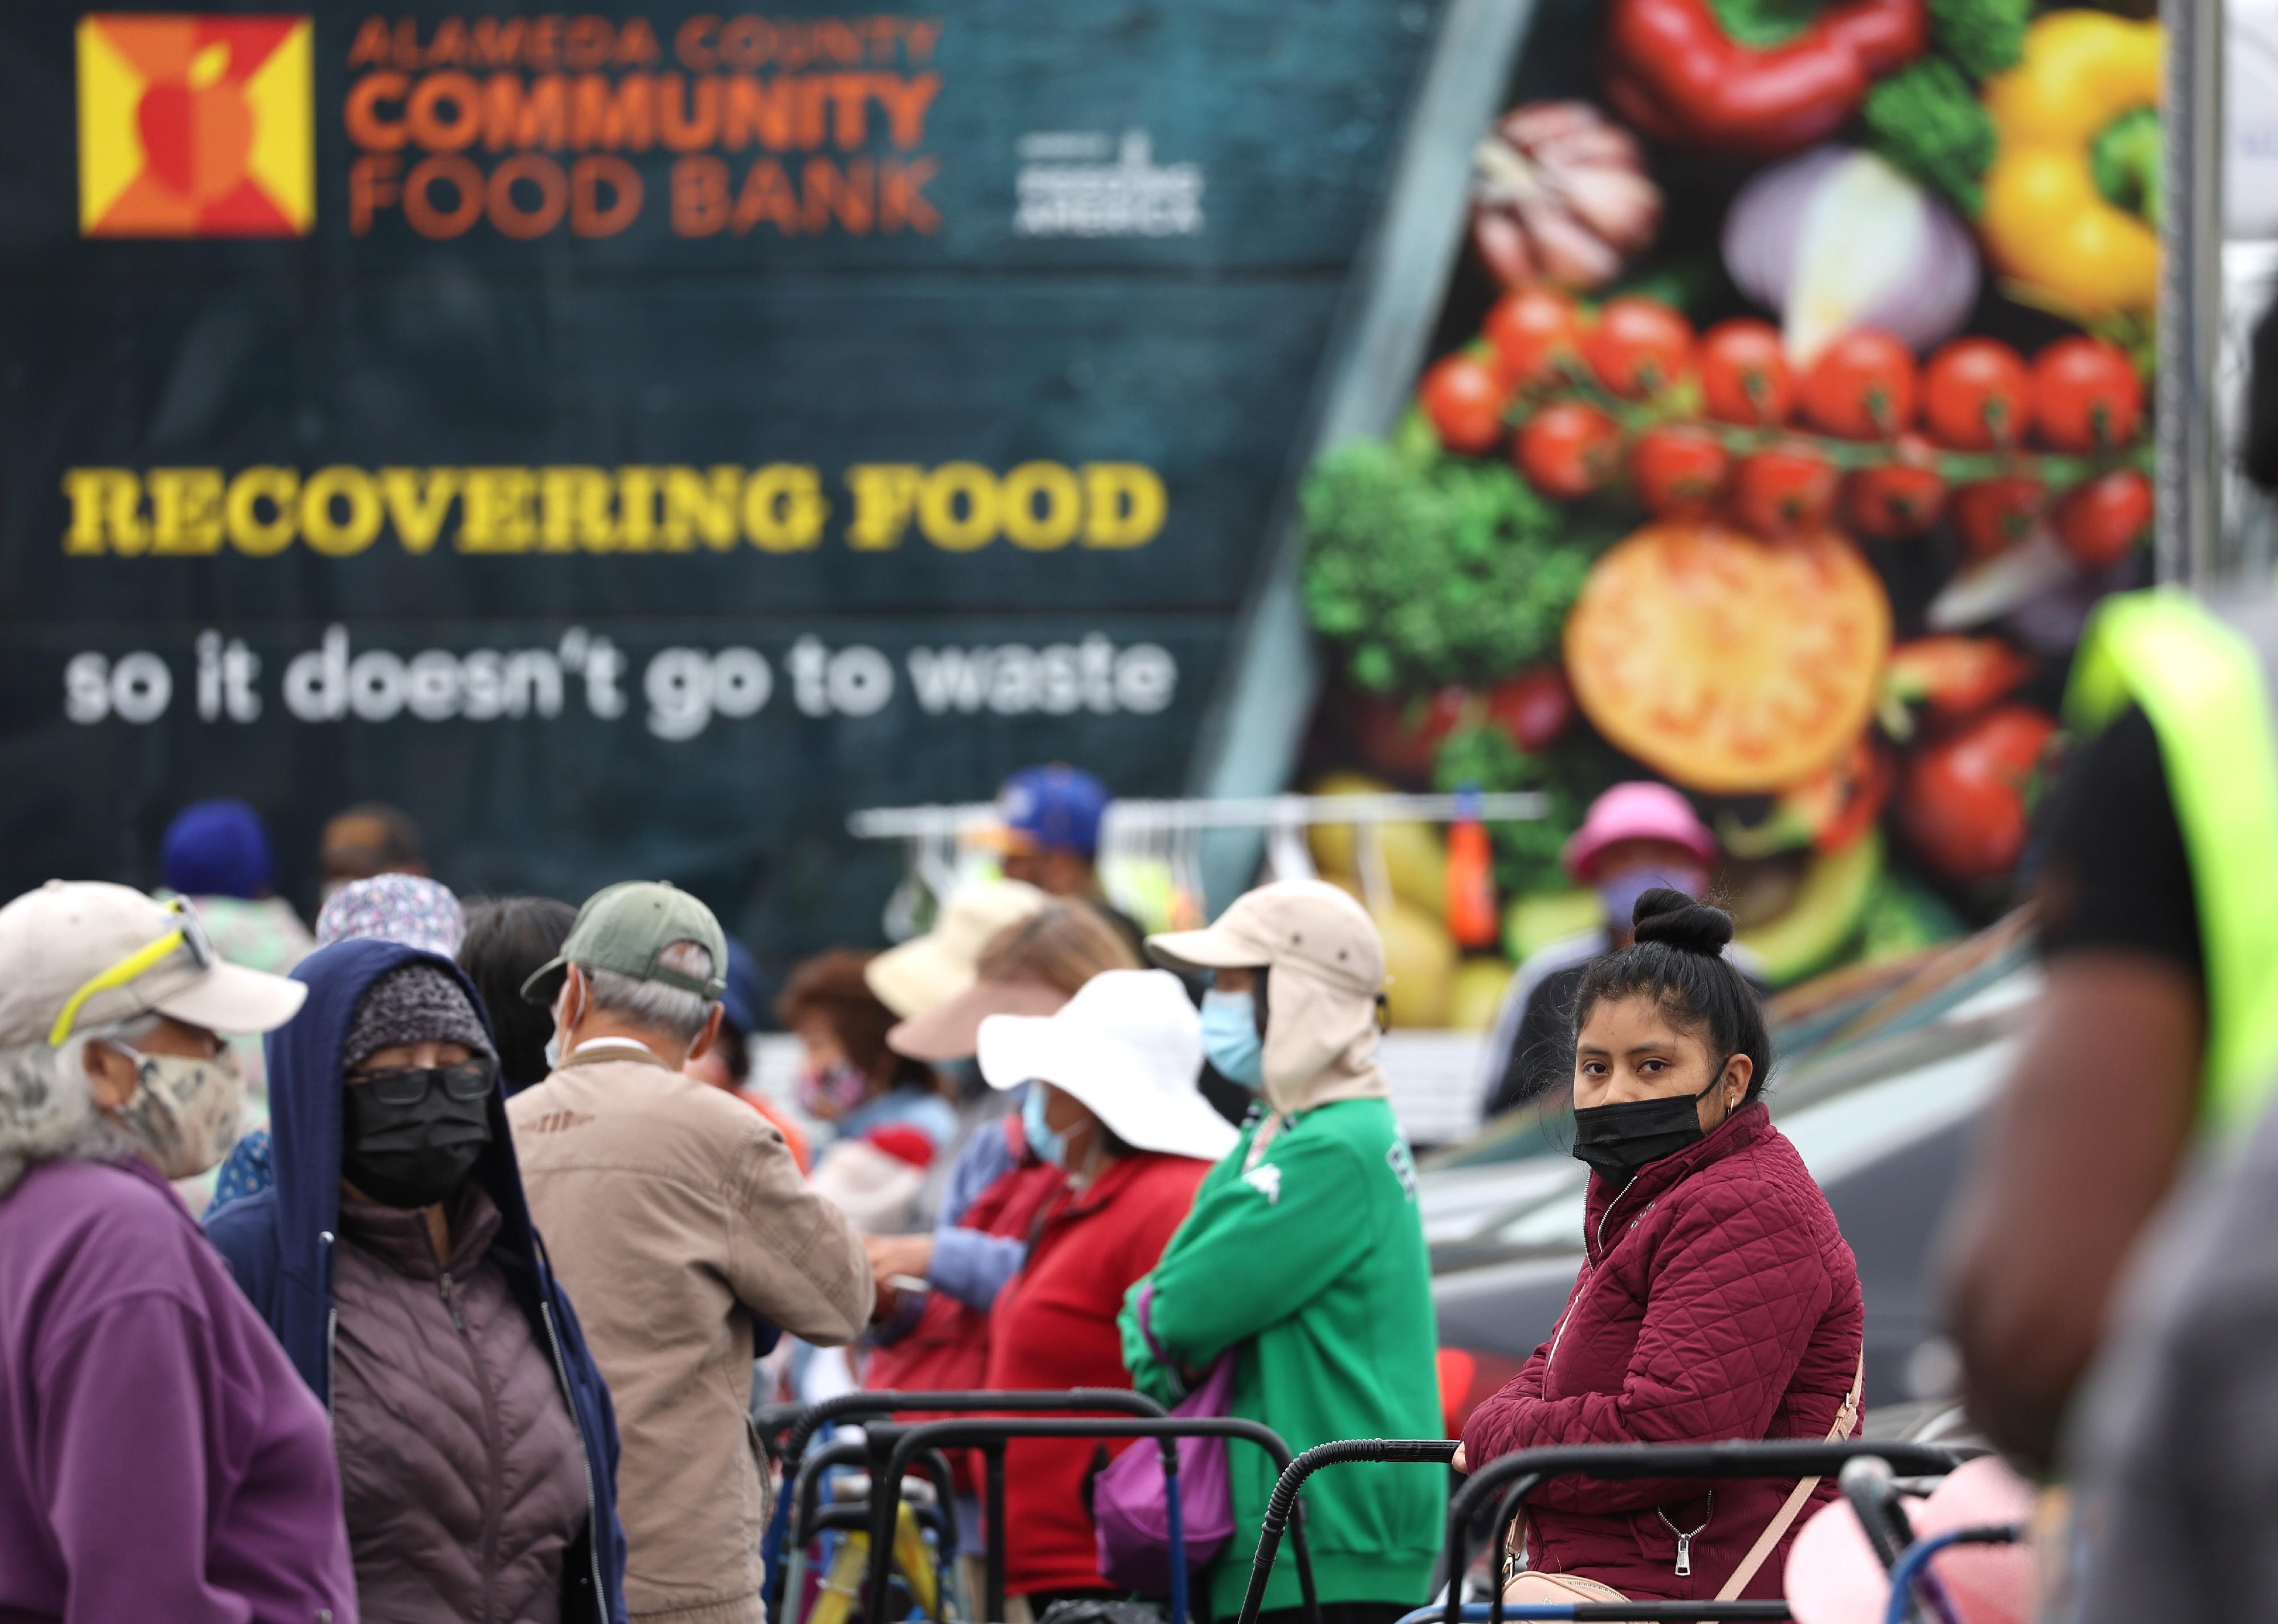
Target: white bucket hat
{"x":1129,"y":1046}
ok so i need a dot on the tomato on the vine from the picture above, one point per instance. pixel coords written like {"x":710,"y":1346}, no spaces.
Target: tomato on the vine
{"x":1994,"y":515}
{"x":1895,"y":499}
{"x":1977,"y":395}
{"x":1535,"y":333}
{"x":1784,"y":489}
{"x":1465,"y":398}
{"x":1568,"y":449}
{"x":2101,"y":521}
{"x":1861,"y":388}
{"x":1534,"y":708}
{"x":1679,"y":469}
{"x":1400,"y":734}
{"x":1638,"y":346}
{"x":2087,"y":396}
{"x":1744,"y":374}
{"x":1964,"y":807}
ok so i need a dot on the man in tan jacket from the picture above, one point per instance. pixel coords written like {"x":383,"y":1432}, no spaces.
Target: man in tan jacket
{"x":674,"y":1214}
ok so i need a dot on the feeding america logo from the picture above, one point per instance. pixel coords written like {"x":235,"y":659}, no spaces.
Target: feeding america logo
{"x":195,"y":126}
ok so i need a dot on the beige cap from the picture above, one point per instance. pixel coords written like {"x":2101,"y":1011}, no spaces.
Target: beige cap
{"x":928,"y":971}
{"x":55,"y":940}
{"x":951,"y":1031}
{"x":1303,"y":921}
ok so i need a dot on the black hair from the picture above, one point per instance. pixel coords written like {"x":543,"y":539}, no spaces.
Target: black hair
{"x":507,"y":937}
{"x":1678,"y":962}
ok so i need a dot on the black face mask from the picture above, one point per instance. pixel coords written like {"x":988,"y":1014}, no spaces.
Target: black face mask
{"x":411,"y":1138}
{"x":1618,"y":1139}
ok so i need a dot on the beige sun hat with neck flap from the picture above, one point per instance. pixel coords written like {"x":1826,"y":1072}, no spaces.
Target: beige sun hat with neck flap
{"x":1325,"y":964}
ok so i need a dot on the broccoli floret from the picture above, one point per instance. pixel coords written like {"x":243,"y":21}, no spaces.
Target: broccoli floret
{"x":1434,"y":571}
{"x":1927,"y":120}
{"x":1984,"y":36}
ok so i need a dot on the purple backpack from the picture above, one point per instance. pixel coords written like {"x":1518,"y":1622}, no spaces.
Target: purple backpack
{"x":1130,"y":1506}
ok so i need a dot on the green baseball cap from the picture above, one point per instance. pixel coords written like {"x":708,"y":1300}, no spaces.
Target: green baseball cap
{"x":625,"y":929}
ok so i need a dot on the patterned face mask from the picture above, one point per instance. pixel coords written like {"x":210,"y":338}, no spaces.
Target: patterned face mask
{"x":186,"y":1111}
{"x":831,"y":1090}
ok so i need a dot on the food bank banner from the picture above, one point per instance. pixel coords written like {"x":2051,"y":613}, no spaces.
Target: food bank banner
{"x":630,"y":438}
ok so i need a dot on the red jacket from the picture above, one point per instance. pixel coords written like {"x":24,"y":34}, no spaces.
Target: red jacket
{"x":947,"y":1350}
{"x":1718,"y":1300}
{"x":1054,"y":1326}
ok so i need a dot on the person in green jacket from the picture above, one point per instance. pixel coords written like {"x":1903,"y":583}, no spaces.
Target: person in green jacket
{"x":1303,"y":1255}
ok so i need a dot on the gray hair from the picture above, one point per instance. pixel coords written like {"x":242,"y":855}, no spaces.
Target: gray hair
{"x":668,"y":1012}
{"x":47,"y":1104}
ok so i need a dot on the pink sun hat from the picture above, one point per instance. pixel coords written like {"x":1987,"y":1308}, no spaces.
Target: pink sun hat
{"x":1642,"y":810}
{"x":1834,"y":1577}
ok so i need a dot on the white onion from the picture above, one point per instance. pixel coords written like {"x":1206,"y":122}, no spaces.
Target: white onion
{"x":1838,"y":239}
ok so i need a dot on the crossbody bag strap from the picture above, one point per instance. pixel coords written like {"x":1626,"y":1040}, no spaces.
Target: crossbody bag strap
{"x":1777,"y":1530}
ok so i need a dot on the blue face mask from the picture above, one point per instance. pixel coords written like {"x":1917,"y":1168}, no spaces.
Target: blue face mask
{"x":1231,"y":1038}
{"x":1619,"y":894}
{"x":1048,"y":1143}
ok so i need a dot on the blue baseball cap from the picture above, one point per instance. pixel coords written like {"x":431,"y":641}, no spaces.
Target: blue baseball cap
{"x":746,"y":995}
{"x":216,"y":849}
{"x":1055,"y":808}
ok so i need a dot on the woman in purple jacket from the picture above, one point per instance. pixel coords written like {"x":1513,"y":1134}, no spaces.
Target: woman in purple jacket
{"x":159,"y":1456}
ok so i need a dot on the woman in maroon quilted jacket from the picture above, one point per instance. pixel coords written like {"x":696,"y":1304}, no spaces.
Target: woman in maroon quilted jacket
{"x":1717,"y":1299}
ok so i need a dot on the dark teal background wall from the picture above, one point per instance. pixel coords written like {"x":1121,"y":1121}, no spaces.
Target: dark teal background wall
{"x":1190,"y":353}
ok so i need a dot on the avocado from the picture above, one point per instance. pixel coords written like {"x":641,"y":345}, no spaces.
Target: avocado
{"x":1826,"y":916}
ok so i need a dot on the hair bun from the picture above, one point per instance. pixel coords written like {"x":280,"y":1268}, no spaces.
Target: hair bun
{"x":1675,"y":920}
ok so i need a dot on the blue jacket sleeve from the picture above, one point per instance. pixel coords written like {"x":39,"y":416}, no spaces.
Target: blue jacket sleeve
{"x":973,"y":1267}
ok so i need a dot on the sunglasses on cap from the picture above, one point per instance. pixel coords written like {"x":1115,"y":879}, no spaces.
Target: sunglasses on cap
{"x":188,"y":936}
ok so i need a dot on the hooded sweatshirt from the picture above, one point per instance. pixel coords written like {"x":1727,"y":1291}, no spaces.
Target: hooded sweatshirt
{"x":1305,"y":1257}
{"x":158,"y":1457}
{"x":282,"y":1244}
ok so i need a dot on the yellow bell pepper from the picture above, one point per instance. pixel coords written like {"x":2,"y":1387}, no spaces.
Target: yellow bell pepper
{"x":2046,"y":224}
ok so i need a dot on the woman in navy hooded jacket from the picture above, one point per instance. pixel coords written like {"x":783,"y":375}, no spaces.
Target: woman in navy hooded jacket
{"x":395,"y":1260}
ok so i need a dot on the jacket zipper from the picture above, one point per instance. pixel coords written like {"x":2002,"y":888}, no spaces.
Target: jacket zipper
{"x":1559,"y":1335}
{"x":585,"y":1455}
{"x":492,"y":1443}
{"x":331,"y":1316}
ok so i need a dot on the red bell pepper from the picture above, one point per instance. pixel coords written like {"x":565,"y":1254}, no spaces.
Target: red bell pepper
{"x":1950,"y":676}
{"x":1676,"y":74}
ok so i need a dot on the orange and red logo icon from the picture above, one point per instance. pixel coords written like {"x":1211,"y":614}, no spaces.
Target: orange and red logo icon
{"x":195,"y":126}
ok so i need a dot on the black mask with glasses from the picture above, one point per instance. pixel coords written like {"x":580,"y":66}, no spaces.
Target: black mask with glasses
{"x":411,"y":1134}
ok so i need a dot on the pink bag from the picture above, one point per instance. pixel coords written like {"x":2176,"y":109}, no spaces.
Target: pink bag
{"x":1129,"y":1505}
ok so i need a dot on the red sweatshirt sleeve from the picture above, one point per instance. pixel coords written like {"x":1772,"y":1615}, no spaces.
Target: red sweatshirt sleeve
{"x":129,"y":1438}
{"x":1735,"y":1290}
